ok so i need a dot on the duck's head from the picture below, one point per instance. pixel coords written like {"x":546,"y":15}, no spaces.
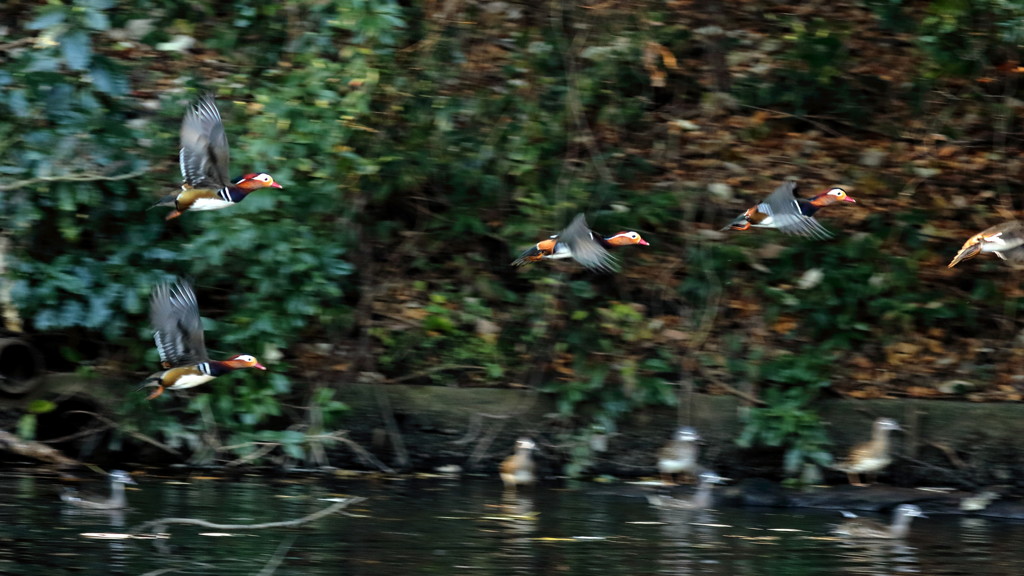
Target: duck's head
{"x":525,"y":444}
{"x":910,"y":511}
{"x":887,"y":424}
{"x":831,"y":197}
{"x":626,"y":238}
{"x":121,"y":477}
{"x":686,"y":434}
{"x":244,"y":361}
{"x":256,"y":181}
{"x":710,"y":477}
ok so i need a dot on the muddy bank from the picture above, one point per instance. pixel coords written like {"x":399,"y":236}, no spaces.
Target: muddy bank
{"x":944,"y":443}
{"x":958,"y":445}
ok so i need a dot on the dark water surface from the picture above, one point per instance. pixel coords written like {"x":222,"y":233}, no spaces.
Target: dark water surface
{"x":435,"y":526}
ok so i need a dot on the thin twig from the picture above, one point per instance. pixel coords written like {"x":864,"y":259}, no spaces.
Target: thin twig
{"x":279,"y":554}
{"x":808,"y":119}
{"x":361,"y":452}
{"x":87,"y":177}
{"x":951,"y":454}
{"x":161,"y":571}
{"x":387,"y":413}
{"x":159,"y":524}
{"x":931,"y":466}
{"x":16,"y":43}
{"x":265,"y":448}
{"x":137,"y":435}
{"x":429,"y":371}
{"x":77,"y":435}
{"x":734,"y":391}
{"x":472,"y":430}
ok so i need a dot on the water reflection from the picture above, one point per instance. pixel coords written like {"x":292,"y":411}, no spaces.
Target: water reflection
{"x":690,"y":540}
{"x":877,"y":557}
{"x":515,"y":522}
{"x":420,"y":527}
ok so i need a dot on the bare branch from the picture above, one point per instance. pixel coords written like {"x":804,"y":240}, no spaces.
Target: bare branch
{"x":79,"y":434}
{"x":361,"y":452}
{"x":16,"y":43}
{"x":279,"y":554}
{"x":428,"y":371}
{"x":160,"y":524}
{"x":85,"y":177}
{"x":137,"y":435}
{"x":265,"y":448}
{"x":32,"y":449}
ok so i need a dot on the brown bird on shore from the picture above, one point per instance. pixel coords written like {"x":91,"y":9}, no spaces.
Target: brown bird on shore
{"x":869,"y":457}
{"x":519,"y":467}
{"x":679,"y":455}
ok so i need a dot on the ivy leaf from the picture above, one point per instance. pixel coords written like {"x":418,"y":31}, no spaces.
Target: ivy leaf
{"x":76,"y":49}
{"x":48,"y":19}
{"x":27,"y":426}
{"x":94,"y":5}
{"x":97,"y":20}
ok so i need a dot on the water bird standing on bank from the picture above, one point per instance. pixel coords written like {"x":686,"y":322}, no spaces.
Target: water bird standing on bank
{"x":582,"y":244}
{"x":869,"y":457}
{"x":679,"y":455}
{"x":117,"y":500}
{"x":700,"y":500}
{"x":178,"y":332}
{"x":519,"y":468}
{"x":785,"y":212}
{"x":856,"y":527}
{"x":1005,"y":240}
{"x":204,"y":165}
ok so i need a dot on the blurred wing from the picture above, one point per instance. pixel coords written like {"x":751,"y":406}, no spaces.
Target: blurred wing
{"x":1007,"y":241}
{"x":204,"y":146}
{"x":1014,"y":257}
{"x":177,"y":327}
{"x":784,"y":209}
{"x":585,"y":247}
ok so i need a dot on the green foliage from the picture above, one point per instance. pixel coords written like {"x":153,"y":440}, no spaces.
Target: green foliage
{"x":959,"y":36}
{"x":453,"y":334}
{"x":90,"y":160}
{"x":811,"y":77}
{"x":594,"y":391}
{"x":789,"y":421}
{"x":28,"y":421}
{"x":853,"y":288}
{"x":418,"y":151}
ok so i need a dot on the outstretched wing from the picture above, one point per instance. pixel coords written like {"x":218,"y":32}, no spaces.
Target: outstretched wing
{"x":784,"y":210}
{"x":177,"y":327}
{"x":585,"y":248}
{"x":204,"y":146}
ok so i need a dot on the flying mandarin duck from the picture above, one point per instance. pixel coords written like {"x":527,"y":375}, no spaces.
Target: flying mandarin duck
{"x":178,"y":332}
{"x":785,"y":212}
{"x":581,"y":244}
{"x":204,"y":165}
